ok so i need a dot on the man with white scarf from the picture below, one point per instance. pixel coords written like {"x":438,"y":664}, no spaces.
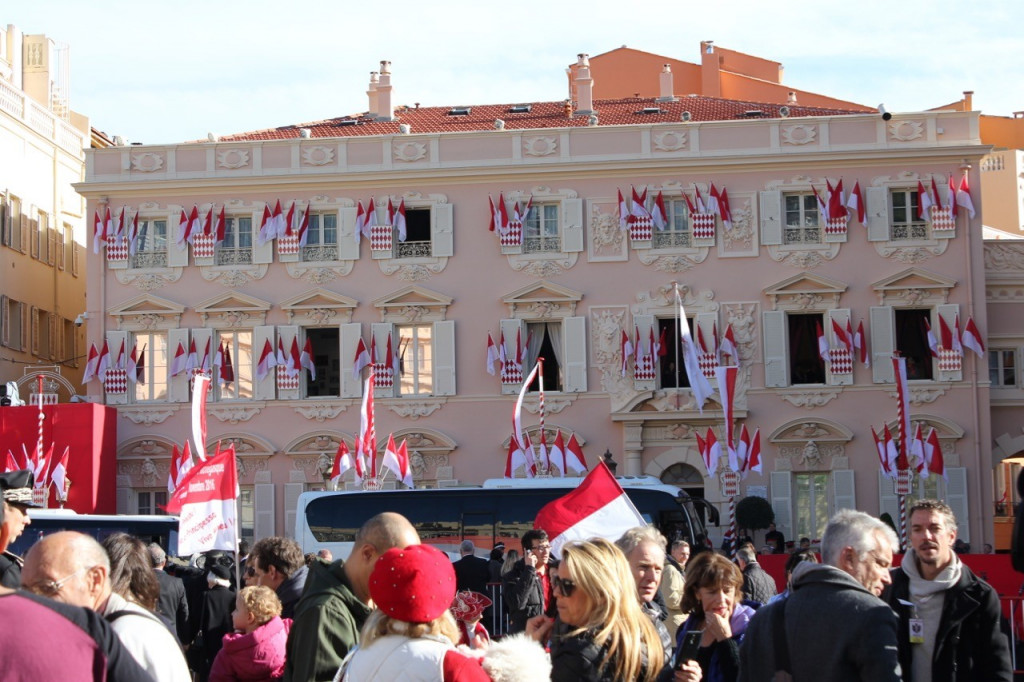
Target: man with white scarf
{"x":949,"y":618}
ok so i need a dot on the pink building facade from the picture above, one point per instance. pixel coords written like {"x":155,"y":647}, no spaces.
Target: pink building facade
{"x":567,"y":289}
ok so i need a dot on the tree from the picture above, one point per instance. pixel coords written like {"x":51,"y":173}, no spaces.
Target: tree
{"x":754,"y":513}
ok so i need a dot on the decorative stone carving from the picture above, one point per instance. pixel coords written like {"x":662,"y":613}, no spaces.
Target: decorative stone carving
{"x":319,"y":273}
{"x":235,"y":276}
{"x":669,"y":141}
{"x":321,"y":411}
{"x":924,"y":394}
{"x":540,"y":145}
{"x":232,"y":158}
{"x":799,"y":134}
{"x":147,"y":162}
{"x":318,"y":155}
{"x":233,"y":414}
{"x":148,"y":280}
{"x":810,"y":456}
{"x":553,"y":404}
{"x":412,"y":272}
{"x":906,"y":131}
{"x":810,"y":398}
{"x":742,"y":238}
{"x":605,"y":234}
{"x":545,"y":266}
{"x":147,"y":415}
{"x":408,"y":151}
{"x":744,"y":328}
{"x":801,"y":260}
{"x":911,"y":254}
{"x":414,"y":409}
{"x":1004,"y":256}
{"x":605,"y":329}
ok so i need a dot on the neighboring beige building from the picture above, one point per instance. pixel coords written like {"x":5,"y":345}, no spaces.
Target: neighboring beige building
{"x":42,"y":218}
{"x":573,"y":284}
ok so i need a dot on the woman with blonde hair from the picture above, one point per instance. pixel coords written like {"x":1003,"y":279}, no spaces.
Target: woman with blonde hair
{"x":601,"y":633}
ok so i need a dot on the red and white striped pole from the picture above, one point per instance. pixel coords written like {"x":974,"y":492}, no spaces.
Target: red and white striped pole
{"x":540,"y":408}
{"x":903,"y":521}
{"x":39,"y":394}
{"x":732,"y":527}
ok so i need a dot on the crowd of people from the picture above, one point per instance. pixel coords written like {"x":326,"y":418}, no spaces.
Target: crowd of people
{"x":639,"y":608}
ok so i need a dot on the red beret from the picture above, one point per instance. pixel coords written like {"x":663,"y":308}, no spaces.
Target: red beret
{"x":415,"y":584}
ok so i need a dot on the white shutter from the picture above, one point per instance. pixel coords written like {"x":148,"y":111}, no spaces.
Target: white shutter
{"x":878,"y":214}
{"x":348,"y":249}
{"x":351,"y":385}
{"x":54,"y":337}
{"x":782,"y":501}
{"x":286,"y":333}
{"x":776,"y":353}
{"x":771,"y":217}
{"x":379,"y":332}
{"x":177,"y":390}
{"x":888,"y":502}
{"x":442,"y":231}
{"x":114,"y":341}
{"x":291,"y":504}
{"x":844,"y":495}
{"x":263,"y":390}
{"x":264,"y":253}
{"x":841,"y":316}
{"x":956,"y":498}
{"x":444,"y":357}
{"x":883,"y":343}
{"x":263,"y":508}
{"x":176,"y":257}
{"x":574,"y":331}
{"x":125,"y":501}
{"x":643,"y":323}
{"x":572,"y":225}
{"x":509,"y":328}
{"x":949,"y":313}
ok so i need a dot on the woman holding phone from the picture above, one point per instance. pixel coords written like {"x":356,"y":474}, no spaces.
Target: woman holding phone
{"x":712,"y":598}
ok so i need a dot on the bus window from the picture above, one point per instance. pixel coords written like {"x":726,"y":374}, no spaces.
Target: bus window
{"x":479,"y":528}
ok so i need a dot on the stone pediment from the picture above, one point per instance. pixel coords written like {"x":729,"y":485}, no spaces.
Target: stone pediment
{"x":914,"y":286}
{"x":803,"y":430}
{"x":147,"y":312}
{"x":320,"y":306}
{"x":413,"y":304}
{"x":542,"y":299}
{"x":234,"y":309}
{"x":805,"y":291}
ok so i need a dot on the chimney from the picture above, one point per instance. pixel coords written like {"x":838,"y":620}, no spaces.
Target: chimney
{"x":385,"y":110}
{"x":666,"y":86}
{"x":968,"y":100}
{"x":710,"y":70}
{"x":567,"y":108}
{"x":791,"y":98}
{"x":371,"y":93}
{"x":584,"y":86}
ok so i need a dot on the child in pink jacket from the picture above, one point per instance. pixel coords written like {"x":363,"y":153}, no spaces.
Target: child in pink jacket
{"x":257,"y":650}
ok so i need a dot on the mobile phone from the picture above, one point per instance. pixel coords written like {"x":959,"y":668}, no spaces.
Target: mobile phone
{"x":688,"y":648}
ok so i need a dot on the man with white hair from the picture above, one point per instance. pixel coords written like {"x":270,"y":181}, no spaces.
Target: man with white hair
{"x":75,"y":569}
{"x":833,"y":626}
{"x":644,"y":547}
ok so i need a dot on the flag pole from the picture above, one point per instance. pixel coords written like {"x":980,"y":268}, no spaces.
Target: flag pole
{"x":678,"y":340}
{"x":540,"y":409}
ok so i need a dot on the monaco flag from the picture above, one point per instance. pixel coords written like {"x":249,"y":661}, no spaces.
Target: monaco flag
{"x":397,"y":459}
{"x":59,"y":476}
{"x":598,"y":508}
{"x":342,"y":463}
{"x":199,"y":394}
{"x":205,"y":501}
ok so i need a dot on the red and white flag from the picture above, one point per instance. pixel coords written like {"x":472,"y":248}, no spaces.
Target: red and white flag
{"x":205,"y":363}
{"x":208,"y":222}
{"x":91,"y":364}
{"x":492,"y":354}
{"x":342,"y":463}
{"x":289,"y":220}
{"x":280,"y":228}
{"x":743,"y":448}
{"x":972,"y":338}
{"x":701,"y":208}
{"x":206,"y":503}
{"x":400,"y":226}
{"x":945,"y":333}
{"x":267,"y":226}
{"x":623,"y":212}
{"x":883,"y":459}
{"x":522,"y":213}
{"x":98,"y":234}
{"x":392,"y":358}
{"x":185,"y":464}
{"x":721,"y":201}
{"x":933,"y":455}
{"x":935,"y":194}
{"x":822,"y":205}
{"x":699,"y":384}
{"x":220,"y":227}
{"x":304,"y":226}
{"x":712,"y":452}
{"x":639,"y":206}
{"x":294,"y":360}
{"x":103,"y":364}
{"x":754,"y":455}
{"x":836,"y":204}
{"x":626,"y":347}
{"x":516,"y":458}
{"x":891,"y":453}
{"x":658,"y":214}
{"x":227,"y":370}
{"x":280,"y":357}
{"x":933,"y":343}
{"x":195,"y":224}
{"x":556,"y":454}
{"x":391,"y":213}
{"x":916,"y":453}
{"x":366,"y":446}
{"x":192,"y":360}
{"x":841,"y":337}
{"x":361,"y":360}
{"x":397,"y":460}
{"x":59,"y":475}
{"x":266,"y":362}
{"x":502,"y":215}
{"x":726,"y":377}
{"x":822,"y":341}
{"x":120,"y":360}
{"x":492,"y":213}
{"x":856,"y":203}
{"x":361,"y":218}
{"x":200,"y":390}
{"x":924,"y":201}
{"x":728,"y":346}
{"x":860,"y":342}
{"x":306,"y":359}
{"x":574,"y":459}
{"x":133,"y":364}
{"x":963,"y":197}
{"x":598,"y":508}
{"x":899,"y":369}
{"x":41,"y":469}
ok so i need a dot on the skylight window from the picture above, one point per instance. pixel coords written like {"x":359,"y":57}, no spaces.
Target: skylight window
{"x":460,"y":111}
{"x":520,"y":108}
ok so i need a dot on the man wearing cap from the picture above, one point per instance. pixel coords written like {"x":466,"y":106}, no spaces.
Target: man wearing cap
{"x":335,"y":604}
{"x":17,"y":492}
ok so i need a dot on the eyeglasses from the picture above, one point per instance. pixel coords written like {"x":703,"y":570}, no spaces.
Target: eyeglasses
{"x":563,"y":585}
{"x":541,"y":548}
{"x":50,"y":588}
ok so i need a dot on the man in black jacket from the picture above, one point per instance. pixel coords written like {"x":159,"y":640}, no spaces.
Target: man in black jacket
{"x":171,"y":602}
{"x":526,"y":590}
{"x":471,"y":571}
{"x":949,"y":618}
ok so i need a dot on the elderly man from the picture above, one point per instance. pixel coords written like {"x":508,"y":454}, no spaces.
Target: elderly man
{"x":73,"y":568}
{"x":949,"y":618}
{"x":280,"y":565}
{"x":644,"y":548}
{"x":17,"y":492}
{"x":335,"y":605}
{"x":171,"y":602}
{"x":833,"y":626}
{"x":471,"y":571}
{"x":757,"y":584}
{"x":673,"y":583}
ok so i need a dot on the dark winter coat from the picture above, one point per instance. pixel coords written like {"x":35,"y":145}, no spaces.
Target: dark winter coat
{"x":523,"y":594}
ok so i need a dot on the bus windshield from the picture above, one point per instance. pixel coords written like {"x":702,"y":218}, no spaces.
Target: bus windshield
{"x":160,"y":529}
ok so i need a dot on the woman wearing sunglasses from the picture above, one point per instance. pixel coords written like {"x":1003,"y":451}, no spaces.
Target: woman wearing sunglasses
{"x":601,"y":633}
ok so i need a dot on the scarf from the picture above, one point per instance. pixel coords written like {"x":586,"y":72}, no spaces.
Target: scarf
{"x":928,"y":597}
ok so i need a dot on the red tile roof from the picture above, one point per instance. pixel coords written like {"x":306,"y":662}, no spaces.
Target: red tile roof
{"x":629,"y":111}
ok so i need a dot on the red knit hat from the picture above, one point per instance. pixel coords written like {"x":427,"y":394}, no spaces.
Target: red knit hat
{"x":415,"y":584}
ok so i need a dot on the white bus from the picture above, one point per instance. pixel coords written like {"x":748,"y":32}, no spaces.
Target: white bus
{"x":499,"y":511}
{"x":151,"y":528}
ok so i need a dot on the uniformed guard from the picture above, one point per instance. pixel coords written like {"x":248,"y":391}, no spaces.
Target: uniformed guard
{"x":17,"y":492}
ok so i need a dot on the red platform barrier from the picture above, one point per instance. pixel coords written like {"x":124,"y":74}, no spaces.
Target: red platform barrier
{"x":91,"y":432}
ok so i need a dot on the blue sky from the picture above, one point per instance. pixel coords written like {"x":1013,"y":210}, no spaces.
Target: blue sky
{"x":158,"y":72}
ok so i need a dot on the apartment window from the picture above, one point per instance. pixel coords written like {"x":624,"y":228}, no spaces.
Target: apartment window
{"x":671,"y":370}
{"x":327,"y":359}
{"x":247,"y":513}
{"x":236,"y":249}
{"x":33,"y":236}
{"x":46,"y":247}
{"x":905,"y":221}
{"x":239,"y":344}
{"x":1002,"y":367}
{"x":151,"y":245}
{"x":802,"y":219}
{"x":75,"y":258}
{"x":416,"y":359}
{"x":152,"y":347}
{"x":805,"y":363}
{"x":540,"y":230}
{"x":321,"y":238}
{"x":12,"y":224}
{"x":70,"y":350}
{"x":151,"y":501}
{"x":417,"y":242}
{"x":12,"y":326}
{"x":677,"y":232}
{"x":64,"y":245}
{"x":44,"y":343}
{"x":810,"y":505}
{"x":912,"y":341}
